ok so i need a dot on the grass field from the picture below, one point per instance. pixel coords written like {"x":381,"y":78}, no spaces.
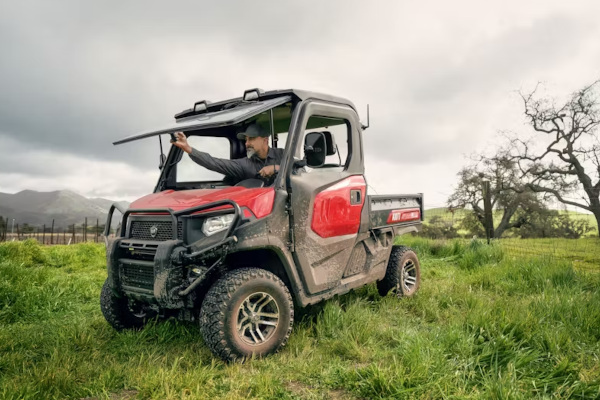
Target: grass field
{"x":582,"y":253}
{"x":485,"y":324}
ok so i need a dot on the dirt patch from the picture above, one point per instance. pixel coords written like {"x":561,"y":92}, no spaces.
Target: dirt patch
{"x":340,"y":394}
{"x":302,"y":390}
{"x":298,"y":388}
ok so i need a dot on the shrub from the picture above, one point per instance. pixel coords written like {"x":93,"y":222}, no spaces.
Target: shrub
{"x":438,"y":228}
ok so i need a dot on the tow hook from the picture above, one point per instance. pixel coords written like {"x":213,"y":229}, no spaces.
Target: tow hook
{"x":177,"y":256}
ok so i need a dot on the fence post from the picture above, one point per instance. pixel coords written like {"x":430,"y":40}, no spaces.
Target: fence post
{"x":85,"y":231}
{"x":97,"y":230}
{"x":52,"y":233}
{"x":487,"y":210}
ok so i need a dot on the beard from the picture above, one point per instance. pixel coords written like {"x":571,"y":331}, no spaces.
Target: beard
{"x":250,"y":152}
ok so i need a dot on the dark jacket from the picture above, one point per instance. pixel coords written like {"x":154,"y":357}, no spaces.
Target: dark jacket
{"x":240,"y":168}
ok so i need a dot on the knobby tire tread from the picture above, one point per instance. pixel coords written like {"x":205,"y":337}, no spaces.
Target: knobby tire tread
{"x":214,"y":307}
{"x":116,"y":311}
{"x":392,"y":273}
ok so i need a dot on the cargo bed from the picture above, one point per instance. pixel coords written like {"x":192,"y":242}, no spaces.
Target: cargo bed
{"x":395,"y":210}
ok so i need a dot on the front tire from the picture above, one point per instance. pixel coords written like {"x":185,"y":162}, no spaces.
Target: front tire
{"x":247,"y":312}
{"x":403,"y":274}
{"x":120,"y":312}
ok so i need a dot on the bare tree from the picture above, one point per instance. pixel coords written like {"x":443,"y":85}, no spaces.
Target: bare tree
{"x":508,"y":194}
{"x":562,"y":158}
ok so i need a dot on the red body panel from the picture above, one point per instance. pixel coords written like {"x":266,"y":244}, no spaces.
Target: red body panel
{"x":410,"y":214}
{"x":333,"y":215}
{"x":258,"y":200}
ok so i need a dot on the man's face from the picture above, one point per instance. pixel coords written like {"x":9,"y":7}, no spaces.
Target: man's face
{"x":257,"y":145}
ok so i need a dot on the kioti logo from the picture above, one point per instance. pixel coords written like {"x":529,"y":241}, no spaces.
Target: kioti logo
{"x":395,"y":216}
{"x":412,"y":214}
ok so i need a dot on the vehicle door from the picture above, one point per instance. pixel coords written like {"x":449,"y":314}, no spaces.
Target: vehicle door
{"x":327,"y":201}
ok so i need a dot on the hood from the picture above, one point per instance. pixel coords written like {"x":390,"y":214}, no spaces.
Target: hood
{"x":257,"y":200}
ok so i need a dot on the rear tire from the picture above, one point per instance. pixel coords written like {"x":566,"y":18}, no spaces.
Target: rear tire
{"x":248,"y":312}
{"x":403,"y":274}
{"x":120,"y":312}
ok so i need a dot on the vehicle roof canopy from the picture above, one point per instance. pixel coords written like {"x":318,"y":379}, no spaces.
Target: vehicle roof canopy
{"x":237,"y":111}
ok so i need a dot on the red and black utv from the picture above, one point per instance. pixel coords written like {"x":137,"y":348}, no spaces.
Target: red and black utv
{"x":239,"y":258}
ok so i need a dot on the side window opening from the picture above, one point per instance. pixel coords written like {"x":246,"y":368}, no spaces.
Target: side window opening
{"x":339,"y":132}
{"x":282,"y":116}
{"x":280,"y":140}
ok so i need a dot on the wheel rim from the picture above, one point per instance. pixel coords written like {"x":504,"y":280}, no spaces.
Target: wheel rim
{"x":258,"y":317}
{"x":409,"y":277}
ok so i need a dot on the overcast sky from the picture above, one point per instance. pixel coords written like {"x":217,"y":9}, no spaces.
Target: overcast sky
{"x":440,"y":77}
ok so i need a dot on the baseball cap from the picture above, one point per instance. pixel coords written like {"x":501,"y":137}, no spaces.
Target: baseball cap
{"x":253,"y":130}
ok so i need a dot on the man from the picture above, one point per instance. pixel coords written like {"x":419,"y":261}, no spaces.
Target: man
{"x":261,"y":161}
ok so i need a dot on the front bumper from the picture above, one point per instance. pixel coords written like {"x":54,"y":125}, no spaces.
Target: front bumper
{"x":158,"y":271}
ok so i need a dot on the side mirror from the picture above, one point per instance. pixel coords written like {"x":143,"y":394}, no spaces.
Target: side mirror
{"x":314,"y":149}
{"x":162,"y":161}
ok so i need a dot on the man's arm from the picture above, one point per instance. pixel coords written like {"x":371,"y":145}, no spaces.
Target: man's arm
{"x":275,"y":156}
{"x":231,"y":168}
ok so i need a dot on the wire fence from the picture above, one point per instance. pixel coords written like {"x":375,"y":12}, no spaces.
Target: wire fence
{"x":53,"y":233}
{"x":562,"y":234}
{"x":445,"y":222}
{"x":557,"y":233}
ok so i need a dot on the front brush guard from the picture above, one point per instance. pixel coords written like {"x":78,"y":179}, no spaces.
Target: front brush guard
{"x":178,"y":257}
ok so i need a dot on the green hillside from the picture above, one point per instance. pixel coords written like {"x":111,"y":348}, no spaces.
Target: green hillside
{"x":459,"y":214}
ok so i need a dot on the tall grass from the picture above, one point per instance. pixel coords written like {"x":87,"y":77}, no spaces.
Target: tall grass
{"x":484,"y":325}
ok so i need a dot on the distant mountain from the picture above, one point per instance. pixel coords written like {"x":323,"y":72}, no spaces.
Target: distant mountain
{"x":103,"y":203}
{"x":64,"y":206}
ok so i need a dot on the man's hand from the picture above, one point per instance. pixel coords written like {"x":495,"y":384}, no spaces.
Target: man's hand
{"x":182,"y":142}
{"x":268,"y":171}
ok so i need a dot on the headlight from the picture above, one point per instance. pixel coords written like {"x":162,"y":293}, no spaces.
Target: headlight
{"x":217,"y":224}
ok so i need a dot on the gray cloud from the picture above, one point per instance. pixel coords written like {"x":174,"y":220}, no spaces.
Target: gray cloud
{"x":76,"y":76}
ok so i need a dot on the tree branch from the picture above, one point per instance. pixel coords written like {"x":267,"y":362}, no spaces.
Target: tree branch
{"x":556,"y":193}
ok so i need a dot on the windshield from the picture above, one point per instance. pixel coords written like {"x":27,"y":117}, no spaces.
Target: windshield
{"x":189,"y":171}
{"x":219,"y":157}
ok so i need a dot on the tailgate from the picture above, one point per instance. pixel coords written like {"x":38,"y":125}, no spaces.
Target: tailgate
{"x":394,"y":210}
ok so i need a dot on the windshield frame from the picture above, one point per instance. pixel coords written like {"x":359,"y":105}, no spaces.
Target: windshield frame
{"x":168,"y":175}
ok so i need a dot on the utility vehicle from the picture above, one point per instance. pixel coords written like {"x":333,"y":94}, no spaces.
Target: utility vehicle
{"x":239,"y":258}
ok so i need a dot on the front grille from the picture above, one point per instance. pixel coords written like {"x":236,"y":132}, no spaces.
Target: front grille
{"x":139,"y":254}
{"x":138,"y":275}
{"x":164,"y":230}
